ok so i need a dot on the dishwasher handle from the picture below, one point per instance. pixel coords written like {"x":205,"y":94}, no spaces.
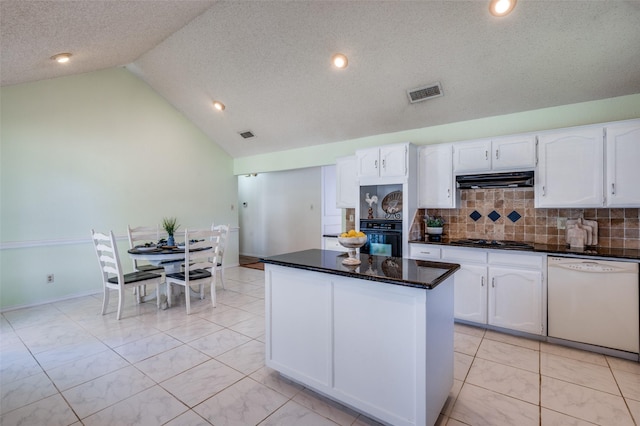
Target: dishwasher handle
{"x":588,"y":266}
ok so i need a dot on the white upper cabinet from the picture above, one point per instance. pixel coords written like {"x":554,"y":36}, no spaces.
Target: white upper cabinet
{"x":346,"y":182}
{"x":570,"y":170}
{"x":622,"y":188}
{"x":513,"y":153}
{"x":469,"y":157}
{"x":505,"y":154}
{"x":436,"y":183}
{"x":385,"y":161}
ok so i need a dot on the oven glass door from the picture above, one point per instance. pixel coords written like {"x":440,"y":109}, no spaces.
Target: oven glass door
{"x":381,"y":243}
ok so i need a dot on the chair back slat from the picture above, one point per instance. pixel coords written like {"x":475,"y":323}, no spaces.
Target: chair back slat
{"x":201,"y":248}
{"x":223,"y":240}
{"x":107,"y":253}
{"x":141,"y":235}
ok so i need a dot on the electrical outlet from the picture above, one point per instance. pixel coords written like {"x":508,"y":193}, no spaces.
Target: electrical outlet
{"x":351,"y":219}
{"x":50,"y":278}
{"x":562,"y":223}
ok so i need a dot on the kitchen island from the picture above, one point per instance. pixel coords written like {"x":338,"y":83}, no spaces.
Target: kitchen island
{"x":377,"y":337}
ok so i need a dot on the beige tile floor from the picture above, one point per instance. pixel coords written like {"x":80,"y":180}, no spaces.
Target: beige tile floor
{"x":65,"y":364}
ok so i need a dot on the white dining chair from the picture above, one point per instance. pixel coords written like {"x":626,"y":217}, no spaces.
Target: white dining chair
{"x":138,"y":236}
{"x":113,"y":278}
{"x":200,"y":263}
{"x":142,"y":235}
{"x":224,"y":239}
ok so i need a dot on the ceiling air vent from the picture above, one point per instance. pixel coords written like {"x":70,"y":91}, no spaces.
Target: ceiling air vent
{"x":248,"y":134}
{"x":423,"y":93}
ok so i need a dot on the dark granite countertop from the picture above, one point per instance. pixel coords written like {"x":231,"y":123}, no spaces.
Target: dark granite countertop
{"x":390,"y":270}
{"x":605,"y":252}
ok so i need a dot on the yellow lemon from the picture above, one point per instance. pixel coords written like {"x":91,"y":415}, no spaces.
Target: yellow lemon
{"x":352,"y":233}
{"x":360,"y":234}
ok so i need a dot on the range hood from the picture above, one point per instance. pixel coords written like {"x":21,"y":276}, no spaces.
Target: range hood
{"x":496,"y":180}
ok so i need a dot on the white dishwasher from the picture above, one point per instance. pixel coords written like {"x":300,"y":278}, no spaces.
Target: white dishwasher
{"x":594,"y":302}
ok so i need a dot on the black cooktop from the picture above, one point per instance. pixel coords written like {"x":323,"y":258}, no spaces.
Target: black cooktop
{"x":478,"y":242}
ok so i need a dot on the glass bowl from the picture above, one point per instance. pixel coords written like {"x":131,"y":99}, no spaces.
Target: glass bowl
{"x":352,"y":244}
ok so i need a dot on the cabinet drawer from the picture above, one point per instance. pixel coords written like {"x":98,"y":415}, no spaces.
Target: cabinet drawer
{"x":333,"y":244}
{"x":533,"y":261}
{"x":424,"y":251}
{"x":464,"y":255}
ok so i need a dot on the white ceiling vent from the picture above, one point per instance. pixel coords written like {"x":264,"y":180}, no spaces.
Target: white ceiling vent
{"x":426,"y":92}
{"x":247,"y":134}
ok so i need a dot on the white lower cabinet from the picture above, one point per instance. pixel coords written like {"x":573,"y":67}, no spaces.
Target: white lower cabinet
{"x":494,"y":287}
{"x":515,"y":299}
{"x":470,"y":293}
{"x":385,"y":350}
{"x":331,"y":243}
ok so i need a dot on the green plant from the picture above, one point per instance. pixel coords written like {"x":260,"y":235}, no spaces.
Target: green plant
{"x":434,"y":222}
{"x":170,"y":224}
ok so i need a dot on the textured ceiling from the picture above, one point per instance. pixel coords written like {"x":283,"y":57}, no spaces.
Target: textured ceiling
{"x":268,"y":61}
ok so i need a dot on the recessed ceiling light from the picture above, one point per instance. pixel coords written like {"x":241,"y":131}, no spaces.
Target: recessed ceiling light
{"x":218,"y":105}
{"x":62,"y":58}
{"x":501,"y":7}
{"x":339,"y":60}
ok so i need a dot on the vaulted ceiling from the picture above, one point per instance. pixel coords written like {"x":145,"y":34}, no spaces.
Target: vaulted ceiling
{"x":268,"y":61}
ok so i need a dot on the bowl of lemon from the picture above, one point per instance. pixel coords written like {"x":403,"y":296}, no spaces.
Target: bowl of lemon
{"x":352,"y":240}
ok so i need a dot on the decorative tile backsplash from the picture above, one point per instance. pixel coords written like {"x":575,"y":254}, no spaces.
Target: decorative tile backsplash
{"x":508,"y":214}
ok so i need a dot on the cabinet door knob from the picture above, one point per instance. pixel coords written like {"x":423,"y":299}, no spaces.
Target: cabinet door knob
{"x":497,"y":155}
{"x":384,"y":164}
{"x":493,"y":282}
{"x":448,"y":192}
{"x":544,"y":191}
{"x":376,"y":164}
{"x":486,"y":155}
{"x":482,"y":282}
{"x":613,"y":189}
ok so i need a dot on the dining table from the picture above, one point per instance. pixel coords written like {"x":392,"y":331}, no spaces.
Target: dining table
{"x":170,"y":258}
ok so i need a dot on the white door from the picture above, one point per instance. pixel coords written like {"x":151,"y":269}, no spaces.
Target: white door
{"x":470,"y":293}
{"x":514,"y":153}
{"x":470,"y":157}
{"x":346,"y":182}
{"x":515,"y":299}
{"x":393,"y":161}
{"x":571,"y":169}
{"x":436,"y":186}
{"x":623,"y":165}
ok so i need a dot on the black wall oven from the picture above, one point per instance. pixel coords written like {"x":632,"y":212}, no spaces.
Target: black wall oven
{"x":384,"y":237}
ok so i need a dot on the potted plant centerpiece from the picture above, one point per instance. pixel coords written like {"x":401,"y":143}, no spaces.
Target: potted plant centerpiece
{"x":434,"y":227}
{"x":170,"y":224}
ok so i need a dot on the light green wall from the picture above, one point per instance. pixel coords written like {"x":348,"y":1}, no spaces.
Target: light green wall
{"x":613,"y":109}
{"x":99,"y":150}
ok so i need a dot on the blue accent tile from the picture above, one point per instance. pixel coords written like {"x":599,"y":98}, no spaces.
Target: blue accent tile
{"x":514,"y":216}
{"x":494,"y":215}
{"x":475,"y":215}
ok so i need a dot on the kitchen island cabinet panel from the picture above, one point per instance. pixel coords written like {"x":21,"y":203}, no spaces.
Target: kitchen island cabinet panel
{"x":300,"y":319}
{"x":370,"y":369}
{"x":383,"y":347}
